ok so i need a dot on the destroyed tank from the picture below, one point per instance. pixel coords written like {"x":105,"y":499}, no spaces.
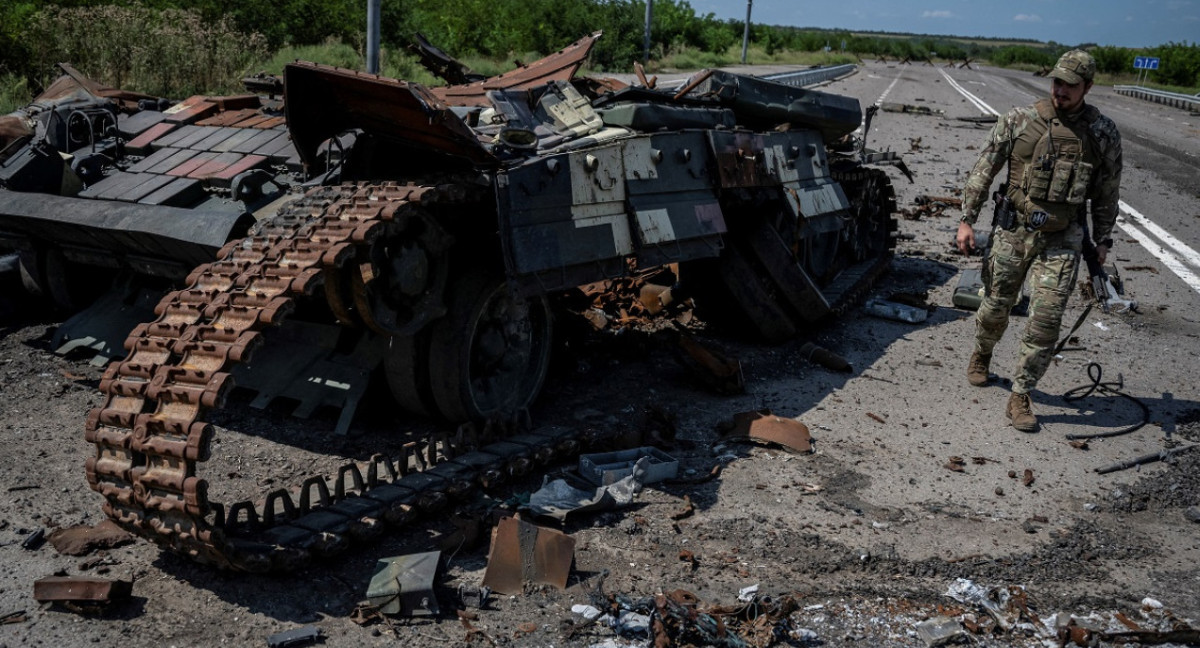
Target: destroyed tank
{"x":360,"y":224}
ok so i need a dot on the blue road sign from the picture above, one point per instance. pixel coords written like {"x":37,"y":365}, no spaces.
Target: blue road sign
{"x":1145,"y":62}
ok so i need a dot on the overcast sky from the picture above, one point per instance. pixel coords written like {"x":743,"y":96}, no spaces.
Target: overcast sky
{"x":1125,"y":23}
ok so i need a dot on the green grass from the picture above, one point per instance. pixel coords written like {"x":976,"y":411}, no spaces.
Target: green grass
{"x":393,"y":64}
{"x":14,"y":93}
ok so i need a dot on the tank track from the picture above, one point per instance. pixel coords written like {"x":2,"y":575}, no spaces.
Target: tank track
{"x":151,"y":435}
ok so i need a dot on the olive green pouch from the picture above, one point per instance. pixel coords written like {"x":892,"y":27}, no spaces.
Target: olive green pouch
{"x":968,"y":293}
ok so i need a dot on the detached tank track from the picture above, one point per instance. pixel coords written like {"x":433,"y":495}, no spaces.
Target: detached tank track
{"x":151,"y":434}
{"x":853,"y":180}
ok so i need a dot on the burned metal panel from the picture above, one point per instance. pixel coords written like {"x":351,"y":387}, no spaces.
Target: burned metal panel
{"x":180,"y":236}
{"x":565,"y":210}
{"x":80,"y":589}
{"x":676,"y":212}
{"x":324,"y":101}
{"x":737,"y":156}
{"x":522,"y":552}
{"x":793,"y":161}
{"x":560,"y":66}
{"x":646,"y":196}
{"x":761,"y":104}
{"x":404,"y":584}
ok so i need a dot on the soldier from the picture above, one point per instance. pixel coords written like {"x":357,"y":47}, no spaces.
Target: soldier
{"x":1061,"y":153}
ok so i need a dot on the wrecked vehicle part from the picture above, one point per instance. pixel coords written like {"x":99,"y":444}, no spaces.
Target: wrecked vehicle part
{"x":522,"y":553}
{"x":560,"y":66}
{"x":764,"y":427}
{"x":436,"y":246}
{"x":294,"y":637}
{"x":403,"y":585}
{"x":81,"y":591}
{"x":820,"y":355}
{"x":441,"y":64}
{"x":648,"y":464}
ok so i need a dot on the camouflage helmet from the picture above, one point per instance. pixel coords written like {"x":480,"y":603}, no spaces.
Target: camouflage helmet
{"x":1074,"y":67}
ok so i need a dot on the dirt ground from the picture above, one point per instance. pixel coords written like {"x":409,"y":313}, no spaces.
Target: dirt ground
{"x":916,"y":480}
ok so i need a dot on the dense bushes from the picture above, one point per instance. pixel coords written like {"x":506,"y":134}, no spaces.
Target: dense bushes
{"x":167,"y":53}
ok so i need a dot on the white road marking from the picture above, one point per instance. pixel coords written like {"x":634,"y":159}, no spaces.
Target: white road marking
{"x":863,"y":124}
{"x":979,"y":103}
{"x":1169,"y":257}
{"x":889,"y":89}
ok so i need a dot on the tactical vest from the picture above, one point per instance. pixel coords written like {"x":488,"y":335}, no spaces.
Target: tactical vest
{"x":1055,"y":176}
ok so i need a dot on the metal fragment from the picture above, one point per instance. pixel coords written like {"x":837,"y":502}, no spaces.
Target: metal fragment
{"x":403,"y":585}
{"x":294,"y":637}
{"x":522,"y":553}
{"x":765,"y":426}
{"x":939,"y":631}
{"x":34,"y":540}
{"x":79,"y":589}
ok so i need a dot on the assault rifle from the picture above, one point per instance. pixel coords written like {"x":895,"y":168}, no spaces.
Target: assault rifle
{"x":1096,"y":274}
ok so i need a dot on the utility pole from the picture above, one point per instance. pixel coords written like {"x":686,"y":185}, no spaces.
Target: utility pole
{"x":373,"y":36}
{"x":646,"y":36}
{"x":746,"y":31}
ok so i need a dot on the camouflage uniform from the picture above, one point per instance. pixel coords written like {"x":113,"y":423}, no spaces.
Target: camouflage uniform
{"x":1056,"y":163}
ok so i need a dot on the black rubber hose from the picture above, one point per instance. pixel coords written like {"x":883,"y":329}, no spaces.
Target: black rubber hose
{"x":1110,"y":389}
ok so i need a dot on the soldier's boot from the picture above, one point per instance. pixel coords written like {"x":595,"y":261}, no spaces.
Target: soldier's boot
{"x":977,"y":368}
{"x":1020,"y":411}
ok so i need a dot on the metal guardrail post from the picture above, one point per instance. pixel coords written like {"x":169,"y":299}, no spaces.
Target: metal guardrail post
{"x":1187,"y":102}
{"x":814,"y":76}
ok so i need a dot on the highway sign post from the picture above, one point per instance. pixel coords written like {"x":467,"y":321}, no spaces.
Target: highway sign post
{"x":1143,"y":64}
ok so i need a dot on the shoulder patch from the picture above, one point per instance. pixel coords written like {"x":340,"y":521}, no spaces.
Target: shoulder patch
{"x":1104,"y":130}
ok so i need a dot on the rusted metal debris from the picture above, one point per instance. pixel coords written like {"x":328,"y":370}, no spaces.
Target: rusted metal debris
{"x":931,"y":206}
{"x":1161,"y":455}
{"x":78,"y":592}
{"x":16,"y":616}
{"x":763,"y":426}
{"x":680,"y":618}
{"x":1080,"y":636}
{"x":523,"y":553}
{"x":719,"y":372}
{"x":441,"y":64}
{"x":82,"y":540}
{"x":560,"y":66}
{"x":911,"y":109}
{"x":820,"y":355}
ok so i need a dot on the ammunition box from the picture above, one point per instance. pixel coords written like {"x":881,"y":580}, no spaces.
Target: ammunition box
{"x":968,"y":293}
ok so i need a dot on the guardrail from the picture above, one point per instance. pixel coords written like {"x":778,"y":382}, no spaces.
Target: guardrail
{"x":1187,"y":102}
{"x":813,"y":76}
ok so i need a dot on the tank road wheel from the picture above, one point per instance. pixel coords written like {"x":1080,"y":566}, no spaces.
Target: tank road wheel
{"x":488,"y":356}
{"x":46,"y":273}
{"x":406,"y":367}
{"x":491,"y":353}
{"x":399,"y":288}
